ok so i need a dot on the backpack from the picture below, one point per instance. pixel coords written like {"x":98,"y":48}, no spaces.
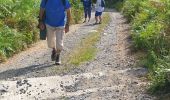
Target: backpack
{"x":102,"y":3}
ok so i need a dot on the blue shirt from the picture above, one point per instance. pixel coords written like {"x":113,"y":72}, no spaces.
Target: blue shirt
{"x":87,"y":3}
{"x":55,"y":12}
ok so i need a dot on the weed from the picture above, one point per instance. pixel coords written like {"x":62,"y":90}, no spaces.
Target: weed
{"x":150,"y":22}
{"x":86,"y":50}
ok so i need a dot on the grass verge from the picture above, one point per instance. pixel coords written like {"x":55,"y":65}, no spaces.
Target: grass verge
{"x":86,"y":51}
{"x":150,"y":33}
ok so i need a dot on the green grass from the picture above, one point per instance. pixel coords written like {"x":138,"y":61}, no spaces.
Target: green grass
{"x":150,"y":20}
{"x":18,"y":24}
{"x":86,"y":51}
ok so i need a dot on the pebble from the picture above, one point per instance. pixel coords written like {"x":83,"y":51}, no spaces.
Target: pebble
{"x":3,"y":89}
{"x":104,"y":57}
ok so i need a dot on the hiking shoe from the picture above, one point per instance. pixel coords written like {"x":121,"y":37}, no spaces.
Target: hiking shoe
{"x":95,"y":23}
{"x":57,"y":59}
{"x":53,"y":55}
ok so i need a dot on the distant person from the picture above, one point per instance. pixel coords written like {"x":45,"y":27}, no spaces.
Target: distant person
{"x":54,"y":12}
{"x":87,"y":4}
{"x":99,"y":8}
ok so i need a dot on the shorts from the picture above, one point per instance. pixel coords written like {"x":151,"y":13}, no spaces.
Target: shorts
{"x":55,"y":37}
{"x":98,"y":13}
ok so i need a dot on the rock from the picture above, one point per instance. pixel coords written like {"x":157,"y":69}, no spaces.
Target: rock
{"x":104,"y":33}
{"x":2,"y":88}
{"x":52,"y":90}
{"x":70,"y":88}
{"x":93,"y":31}
{"x":117,"y":90}
{"x":139,"y":72}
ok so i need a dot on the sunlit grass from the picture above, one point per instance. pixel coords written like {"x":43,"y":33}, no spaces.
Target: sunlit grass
{"x":86,"y":51}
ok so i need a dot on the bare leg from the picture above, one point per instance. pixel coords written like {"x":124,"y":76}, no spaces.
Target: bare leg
{"x":84,"y":20}
{"x":96,"y":17}
{"x":100,"y":18}
{"x":85,"y":14}
{"x":89,"y":14}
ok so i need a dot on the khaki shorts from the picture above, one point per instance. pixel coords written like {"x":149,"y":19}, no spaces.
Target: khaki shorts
{"x":55,"y":37}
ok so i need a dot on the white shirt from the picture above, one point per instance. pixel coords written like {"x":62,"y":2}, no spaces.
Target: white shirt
{"x":98,"y":6}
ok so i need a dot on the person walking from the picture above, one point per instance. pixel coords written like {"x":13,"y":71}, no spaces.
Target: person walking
{"x":87,"y":4}
{"x":55,"y":12}
{"x":99,"y":8}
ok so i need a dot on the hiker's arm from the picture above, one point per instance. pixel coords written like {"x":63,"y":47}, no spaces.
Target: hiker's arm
{"x":68,"y":16}
{"x":68,"y":20}
{"x":41,"y":14}
{"x":42,"y":9}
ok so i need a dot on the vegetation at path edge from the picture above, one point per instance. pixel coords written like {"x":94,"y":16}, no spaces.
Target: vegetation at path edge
{"x":87,"y":50}
{"x":150,"y":20}
{"x":18,"y":24}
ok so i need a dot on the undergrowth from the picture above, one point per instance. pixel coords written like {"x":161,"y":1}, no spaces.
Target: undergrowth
{"x":150,"y":21}
{"x":18,"y":24}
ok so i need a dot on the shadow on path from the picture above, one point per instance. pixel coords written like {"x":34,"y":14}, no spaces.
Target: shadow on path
{"x":23,"y":71}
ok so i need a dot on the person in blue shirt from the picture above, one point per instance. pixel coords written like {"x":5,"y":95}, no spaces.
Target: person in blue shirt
{"x":87,"y":9}
{"x":55,"y":12}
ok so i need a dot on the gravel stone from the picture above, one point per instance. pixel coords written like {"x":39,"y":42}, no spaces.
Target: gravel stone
{"x":109,"y":76}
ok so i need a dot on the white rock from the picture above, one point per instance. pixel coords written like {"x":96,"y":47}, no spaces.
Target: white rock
{"x":2,"y":88}
{"x":104,"y":33}
{"x":93,"y":31}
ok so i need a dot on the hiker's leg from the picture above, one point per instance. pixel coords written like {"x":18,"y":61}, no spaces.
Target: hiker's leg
{"x":51,"y":39}
{"x":100,"y":18}
{"x":96,"y":17}
{"x":89,"y":13}
{"x":59,"y":44}
{"x":59,"y":39}
{"x":85,"y":14}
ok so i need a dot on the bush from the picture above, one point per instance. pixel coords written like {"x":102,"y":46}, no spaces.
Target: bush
{"x":11,"y":41}
{"x":150,"y":22}
{"x":77,"y":11}
{"x":18,"y":24}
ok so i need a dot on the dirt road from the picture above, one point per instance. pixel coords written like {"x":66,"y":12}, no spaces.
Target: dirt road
{"x":31,"y":75}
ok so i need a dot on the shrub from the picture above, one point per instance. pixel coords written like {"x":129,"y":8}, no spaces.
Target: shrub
{"x":77,"y":11}
{"x":18,"y":24}
{"x":11,"y":41}
{"x":150,"y":22}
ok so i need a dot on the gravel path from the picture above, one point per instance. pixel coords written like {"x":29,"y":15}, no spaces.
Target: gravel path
{"x":110,"y":76}
{"x":36,"y":61}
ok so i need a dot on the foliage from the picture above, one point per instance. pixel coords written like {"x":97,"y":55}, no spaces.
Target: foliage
{"x":18,"y":24}
{"x":114,"y":4}
{"x":150,"y":22}
{"x":10,"y":41}
{"x":86,"y":50}
{"x":77,"y":11}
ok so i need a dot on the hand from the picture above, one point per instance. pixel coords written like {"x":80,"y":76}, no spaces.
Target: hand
{"x":41,"y":26}
{"x":66,"y":28}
